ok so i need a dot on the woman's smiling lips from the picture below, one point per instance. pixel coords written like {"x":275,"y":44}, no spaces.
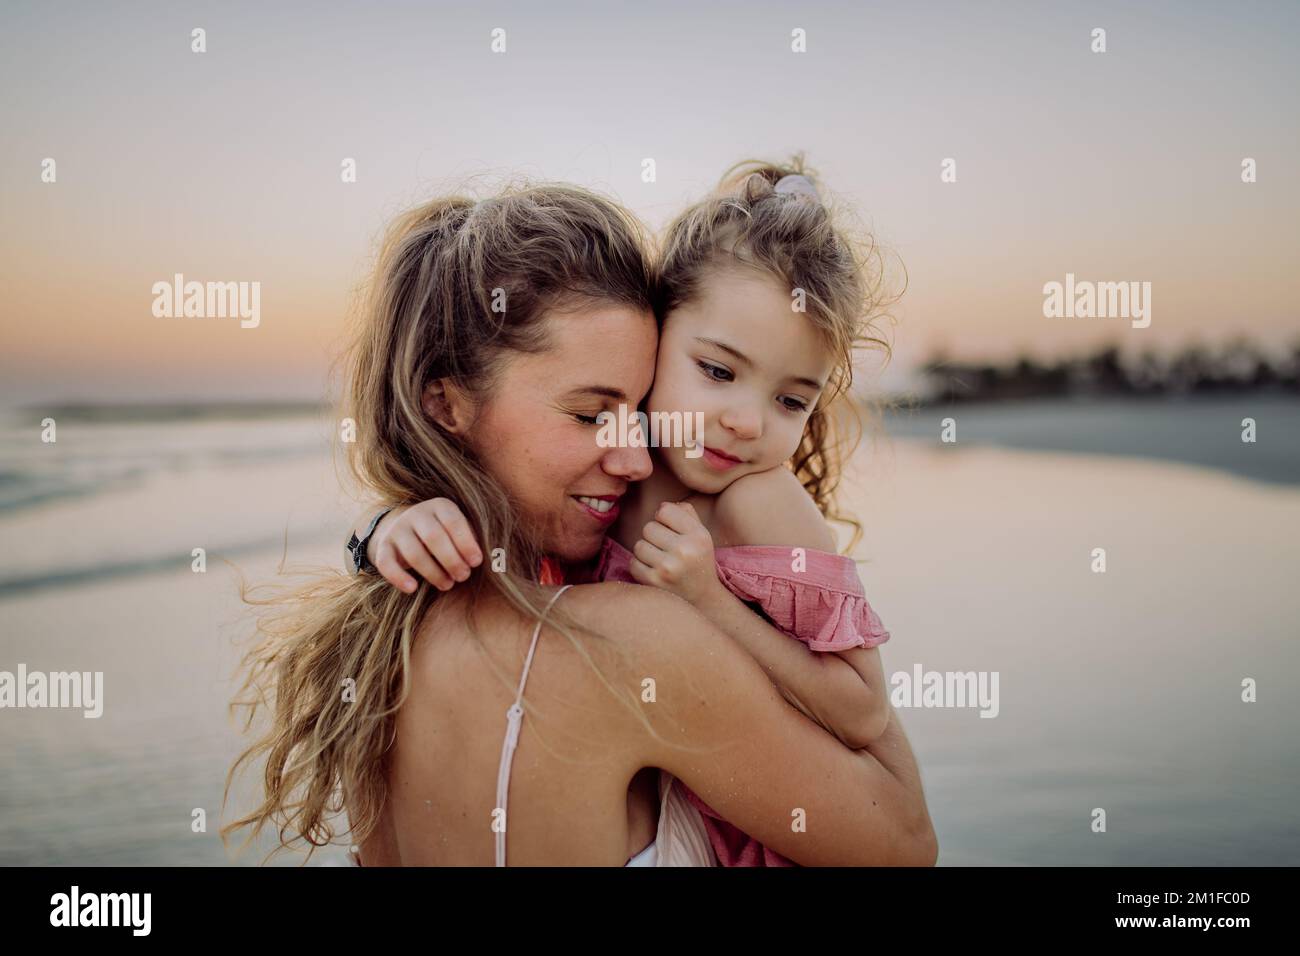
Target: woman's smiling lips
{"x":603,"y":508}
{"x":720,"y":460}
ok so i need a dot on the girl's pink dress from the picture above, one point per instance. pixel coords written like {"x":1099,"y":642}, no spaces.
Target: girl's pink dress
{"x":822,"y":604}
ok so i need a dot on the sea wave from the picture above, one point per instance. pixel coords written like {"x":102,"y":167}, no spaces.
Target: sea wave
{"x":92,"y":457}
{"x":125,"y":567}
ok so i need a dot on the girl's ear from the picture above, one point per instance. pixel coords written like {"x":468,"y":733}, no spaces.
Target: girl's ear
{"x":448,"y":406}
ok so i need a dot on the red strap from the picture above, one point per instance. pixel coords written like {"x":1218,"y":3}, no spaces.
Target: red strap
{"x":551,"y":572}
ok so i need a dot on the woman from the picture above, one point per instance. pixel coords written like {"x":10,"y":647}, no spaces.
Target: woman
{"x":491,"y":330}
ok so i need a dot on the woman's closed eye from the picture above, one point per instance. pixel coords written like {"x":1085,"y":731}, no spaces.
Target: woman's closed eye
{"x":588,"y":419}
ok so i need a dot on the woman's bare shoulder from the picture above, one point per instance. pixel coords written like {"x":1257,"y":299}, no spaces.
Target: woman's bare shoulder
{"x":642,"y":658}
{"x":637,"y":625}
{"x":665,"y":651}
{"x":624,"y":643}
{"x":650,"y":625}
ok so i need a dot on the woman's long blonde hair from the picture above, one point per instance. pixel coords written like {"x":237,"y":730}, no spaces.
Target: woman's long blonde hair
{"x":459,"y":286}
{"x":796,"y":238}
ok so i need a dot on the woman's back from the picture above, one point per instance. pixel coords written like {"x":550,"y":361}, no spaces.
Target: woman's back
{"x":718,"y":724}
{"x":575,"y":797}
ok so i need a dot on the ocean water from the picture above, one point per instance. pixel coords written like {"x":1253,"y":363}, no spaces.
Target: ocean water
{"x":125,"y":497}
{"x":1200,"y":430}
{"x":1118,"y":691}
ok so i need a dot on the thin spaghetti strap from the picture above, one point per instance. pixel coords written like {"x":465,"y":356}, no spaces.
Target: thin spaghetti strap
{"x":514,"y":716}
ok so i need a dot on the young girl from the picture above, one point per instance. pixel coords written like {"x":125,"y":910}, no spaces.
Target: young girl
{"x":764,"y":303}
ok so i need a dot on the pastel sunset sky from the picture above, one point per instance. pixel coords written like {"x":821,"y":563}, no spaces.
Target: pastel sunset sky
{"x":225,"y":165}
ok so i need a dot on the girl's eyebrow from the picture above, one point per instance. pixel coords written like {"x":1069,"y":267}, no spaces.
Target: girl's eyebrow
{"x":743,"y":359}
{"x":815,"y":385}
{"x":812,"y":383}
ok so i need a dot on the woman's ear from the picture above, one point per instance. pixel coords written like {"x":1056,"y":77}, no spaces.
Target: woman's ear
{"x":447,"y":405}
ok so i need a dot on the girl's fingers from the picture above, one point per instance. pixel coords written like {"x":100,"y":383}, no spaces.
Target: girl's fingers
{"x":647,"y":553}
{"x":462,"y":535}
{"x":439,"y":544}
{"x":659,"y":535}
{"x":386,"y":564}
{"x":680,"y":518}
{"x":641,"y":573}
{"x":414,"y":553}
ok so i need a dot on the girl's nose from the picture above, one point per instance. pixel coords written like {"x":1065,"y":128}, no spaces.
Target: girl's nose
{"x":744,"y":422}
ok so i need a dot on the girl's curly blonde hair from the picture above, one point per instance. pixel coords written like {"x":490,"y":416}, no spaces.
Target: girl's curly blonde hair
{"x":793,"y":235}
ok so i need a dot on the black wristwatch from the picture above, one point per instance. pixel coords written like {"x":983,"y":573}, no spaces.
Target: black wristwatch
{"x":357,"y":546}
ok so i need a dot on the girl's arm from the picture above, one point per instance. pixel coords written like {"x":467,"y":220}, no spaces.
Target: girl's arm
{"x":431,"y":538}
{"x":843,"y":691}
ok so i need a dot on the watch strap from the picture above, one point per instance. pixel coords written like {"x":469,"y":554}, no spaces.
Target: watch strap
{"x":357,"y":546}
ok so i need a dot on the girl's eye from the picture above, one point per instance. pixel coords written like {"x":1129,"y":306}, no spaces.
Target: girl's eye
{"x":709,"y":369}
{"x":795,"y":404}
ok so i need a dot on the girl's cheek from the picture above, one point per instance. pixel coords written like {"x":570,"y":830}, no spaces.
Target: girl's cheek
{"x":792,"y":444}
{"x":666,"y":396}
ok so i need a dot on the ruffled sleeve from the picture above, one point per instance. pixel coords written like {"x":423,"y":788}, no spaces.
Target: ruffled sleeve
{"x":814,"y":596}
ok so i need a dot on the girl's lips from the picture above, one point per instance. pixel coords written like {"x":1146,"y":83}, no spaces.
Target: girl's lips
{"x":718,"y":460}
{"x":602,"y":517}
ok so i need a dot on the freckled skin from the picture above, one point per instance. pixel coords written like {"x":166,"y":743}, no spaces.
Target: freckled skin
{"x":528,"y":437}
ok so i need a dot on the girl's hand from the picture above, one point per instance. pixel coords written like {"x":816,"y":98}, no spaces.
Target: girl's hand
{"x":432,"y":538}
{"x":675,"y":553}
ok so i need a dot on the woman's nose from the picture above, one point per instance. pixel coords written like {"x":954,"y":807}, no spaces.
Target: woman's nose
{"x":630,"y":464}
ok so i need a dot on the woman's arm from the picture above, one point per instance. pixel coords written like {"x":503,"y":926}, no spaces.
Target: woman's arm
{"x":827,"y":688}
{"x":842,"y":691}
{"x":773,"y":508}
{"x":722,"y":728}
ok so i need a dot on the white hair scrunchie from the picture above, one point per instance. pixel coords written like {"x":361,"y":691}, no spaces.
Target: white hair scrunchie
{"x":797,"y":185}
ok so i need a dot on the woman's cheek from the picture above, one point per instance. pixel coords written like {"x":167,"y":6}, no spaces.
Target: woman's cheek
{"x":582,"y":453}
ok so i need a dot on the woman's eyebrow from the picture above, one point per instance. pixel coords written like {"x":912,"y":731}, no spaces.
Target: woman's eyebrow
{"x":604,"y":391}
{"x":812,"y":383}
